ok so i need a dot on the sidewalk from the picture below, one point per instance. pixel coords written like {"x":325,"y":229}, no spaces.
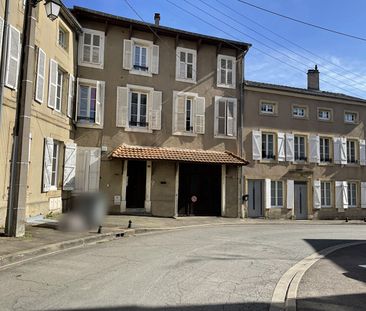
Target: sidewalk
{"x":337,"y":282}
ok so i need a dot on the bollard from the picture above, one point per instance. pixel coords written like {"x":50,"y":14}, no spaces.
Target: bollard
{"x":346,"y":219}
{"x":129,"y":224}
{"x":100,"y":230}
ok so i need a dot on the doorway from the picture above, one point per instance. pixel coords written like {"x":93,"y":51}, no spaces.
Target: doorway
{"x":301,"y":200}
{"x":255,"y":202}
{"x":136,"y":185}
{"x":199,"y":190}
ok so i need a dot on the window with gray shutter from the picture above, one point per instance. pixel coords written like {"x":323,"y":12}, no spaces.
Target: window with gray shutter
{"x":41,"y":76}
{"x":52,"y":85}
{"x":13,"y":58}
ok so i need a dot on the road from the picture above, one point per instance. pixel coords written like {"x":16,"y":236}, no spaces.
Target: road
{"x":232,"y":267}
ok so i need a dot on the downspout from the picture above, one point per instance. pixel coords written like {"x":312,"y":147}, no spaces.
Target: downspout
{"x":241,"y":151}
{"x":3,"y":57}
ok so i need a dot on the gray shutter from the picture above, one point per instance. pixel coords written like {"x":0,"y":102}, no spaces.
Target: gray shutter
{"x":290,"y":154}
{"x":290,"y":194}
{"x":69,"y":167}
{"x":341,"y":194}
{"x":52,"y":86}
{"x":155,"y":59}
{"x":70,"y":99}
{"x":363,"y":194}
{"x":281,"y":147}
{"x":194,"y":69}
{"x":343,"y":148}
{"x":77,"y":99}
{"x":94,"y":169}
{"x":13,"y":58}
{"x":362,"y":152}
{"x":127,"y":54}
{"x":314,"y":146}
{"x":218,"y":75}
{"x":99,"y":107}
{"x":199,"y":124}
{"x":231,"y":118}
{"x":337,"y":150}
{"x":179,"y":112}
{"x":317,"y":194}
{"x":122,"y":107}
{"x":82,"y":169}
{"x":155,"y":111}
{"x":267,"y":193}
{"x":41,"y":76}
{"x":257,"y":145}
{"x":47,"y":164}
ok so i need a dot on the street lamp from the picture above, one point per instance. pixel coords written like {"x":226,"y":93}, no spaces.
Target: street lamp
{"x":52,"y":8}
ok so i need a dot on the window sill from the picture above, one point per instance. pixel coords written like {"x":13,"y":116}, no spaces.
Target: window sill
{"x":184,"y":134}
{"x":226,"y":86}
{"x":91,"y":65}
{"x":267,"y":161}
{"x":138,"y":129}
{"x":325,"y":163}
{"x":275,"y":207}
{"x":300,"y":118}
{"x":140,"y":73}
{"x":186,"y":80}
{"x":268,"y":114}
{"x":225,"y":137}
{"x":89,"y":125}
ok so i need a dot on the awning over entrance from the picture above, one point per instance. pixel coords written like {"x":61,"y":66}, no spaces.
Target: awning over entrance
{"x":129,"y":152}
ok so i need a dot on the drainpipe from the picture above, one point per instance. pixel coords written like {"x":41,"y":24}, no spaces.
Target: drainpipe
{"x":241,"y":151}
{"x":3,"y":56}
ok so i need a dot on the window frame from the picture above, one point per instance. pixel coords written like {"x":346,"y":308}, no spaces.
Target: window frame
{"x":59,"y":89}
{"x":90,"y":86}
{"x":355,"y":184}
{"x":329,"y":159}
{"x":268,"y":113}
{"x":323,"y":191}
{"x":305,"y":108}
{"x":351,"y":112}
{"x":187,"y":51}
{"x":138,"y":115}
{"x":297,"y":150}
{"x":90,"y":63}
{"x":355,"y":153}
{"x":64,"y":45}
{"x":276,"y":192}
{"x":227,"y":58}
{"x":265,"y":156}
{"x":148,"y":45}
{"x":329,"y":110}
{"x":227,"y":100}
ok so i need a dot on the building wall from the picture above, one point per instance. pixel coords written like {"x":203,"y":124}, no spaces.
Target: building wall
{"x":285,"y":123}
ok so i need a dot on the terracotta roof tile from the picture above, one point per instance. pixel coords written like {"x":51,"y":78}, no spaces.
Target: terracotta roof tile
{"x":176,"y":154}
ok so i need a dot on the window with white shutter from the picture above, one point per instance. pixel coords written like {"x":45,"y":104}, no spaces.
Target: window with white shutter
{"x":52,"y":84}
{"x":122,"y":107}
{"x":257,"y":145}
{"x":268,"y":146}
{"x":343,"y":147}
{"x":281,"y":147}
{"x":317,"y":194}
{"x":352,"y":194}
{"x":300,"y":148}
{"x":341,"y":194}
{"x":276,"y":193}
{"x":324,"y":149}
{"x":13,"y":58}
{"x":155,"y":111}
{"x":325,"y":193}
{"x":99,"y":105}
{"x":351,"y":151}
{"x":225,"y":117}
{"x":186,"y":65}
{"x":91,"y":48}
{"x":69,"y":167}
{"x":290,"y":146}
{"x":226,"y":71}
{"x":41,"y":76}
{"x":314,"y":146}
{"x":337,"y":150}
{"x":70,"y":97}
{"x":199,"y":118}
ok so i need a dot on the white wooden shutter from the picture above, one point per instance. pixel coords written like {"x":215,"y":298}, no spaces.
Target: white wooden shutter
{"x":341,"y":194}
{"x":179,"y":112}
{"x":94,"y":169}
{"x":13,"y":58}
{"x":267,"y":193}
{"x":1,"y":35}
{"x":231,"y":117}
{"x":343,"y":150}
{"x":52,"y":86}
{"x":194,"y":69}
{"x":363,"y":194}
{"x":337,"y":150}
{"x":290,"y":194}
{"x":314,"y":142}
{"x":218,"y":75}
{"x":41,"y":75}
{"x":155,"y":59}
{"x":155,"y":112}
{"x":281,"y":147}
{"x":71,"y":94}
{"x":257,"y":145}
{"x":122,"y":107}
{"x":99,"y":107}
{"x":290,"y":154}
{"x":127,"y":54}
{"x":199,"y":120}
{"x":362,"y":152}
{"x":82,"y":169}
{"x":317,"y":194}
{"x":69,"y":167}
{"x":47,"y":164}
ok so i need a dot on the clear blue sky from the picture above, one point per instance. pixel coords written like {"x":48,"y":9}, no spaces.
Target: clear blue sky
{"x":341,"y":60}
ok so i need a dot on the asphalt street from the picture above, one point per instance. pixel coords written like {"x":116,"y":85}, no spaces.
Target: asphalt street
{"x":232,"y":267}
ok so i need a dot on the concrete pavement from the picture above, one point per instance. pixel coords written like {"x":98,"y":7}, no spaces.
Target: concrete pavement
{"x":232,"y":267}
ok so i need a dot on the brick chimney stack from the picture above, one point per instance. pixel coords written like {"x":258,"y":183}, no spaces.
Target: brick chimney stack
{"x":313,"y":79}
{"x":157,"y":19}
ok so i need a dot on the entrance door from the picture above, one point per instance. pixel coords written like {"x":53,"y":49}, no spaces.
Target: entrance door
{"x":255,"y":203}
{"x":136,"y":185}
{"x":301,"y":200}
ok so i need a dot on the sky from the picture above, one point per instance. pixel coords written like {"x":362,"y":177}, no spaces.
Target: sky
{"x":282,"y":51}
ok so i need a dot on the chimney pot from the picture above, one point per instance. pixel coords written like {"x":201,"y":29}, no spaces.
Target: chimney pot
{"x":313,"y":79}
{"x":157,"y":19}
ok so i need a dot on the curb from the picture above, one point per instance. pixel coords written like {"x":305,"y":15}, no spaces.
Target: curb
{"x":23,"y":256}
{"x":285,"y":293}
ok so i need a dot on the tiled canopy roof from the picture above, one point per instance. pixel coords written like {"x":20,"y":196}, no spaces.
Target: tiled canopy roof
{"x":175,"y":154}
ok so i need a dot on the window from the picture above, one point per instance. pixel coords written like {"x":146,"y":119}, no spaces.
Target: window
{"x":55,"y":160}
{"x":140,"y":60}
{"x":226,"y":72}
{"x":92,"y":48}
{"x":324,"y":114}
{"x":62,"y":38}
{"x":300,"y":152}
{"x":138,"y":109}
{"x":351,"y":151}
{"x":189,"y":115}
{"x":276,"y":193}
{"x":350,"y":117}
{"x":299,"y":112}
{"x":186,"y":65}
{"x":352,"y":194}
{"x":268,"y":146}
{"x":225,"y":112}
{"x":325,"y":194}
{"x":267,"y":108}
{"x":324,"y":149}
{"x":60,"y":79}
{"x":87,"y":103}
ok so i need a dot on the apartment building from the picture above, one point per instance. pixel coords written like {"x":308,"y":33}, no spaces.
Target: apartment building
{"x":51,"y":160}
{"x":157,"y":117}
{"x":307,"y":153}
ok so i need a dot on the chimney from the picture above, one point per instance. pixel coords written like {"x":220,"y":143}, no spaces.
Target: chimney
{"x":313,"y":79}
{"x":157,"y":19}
